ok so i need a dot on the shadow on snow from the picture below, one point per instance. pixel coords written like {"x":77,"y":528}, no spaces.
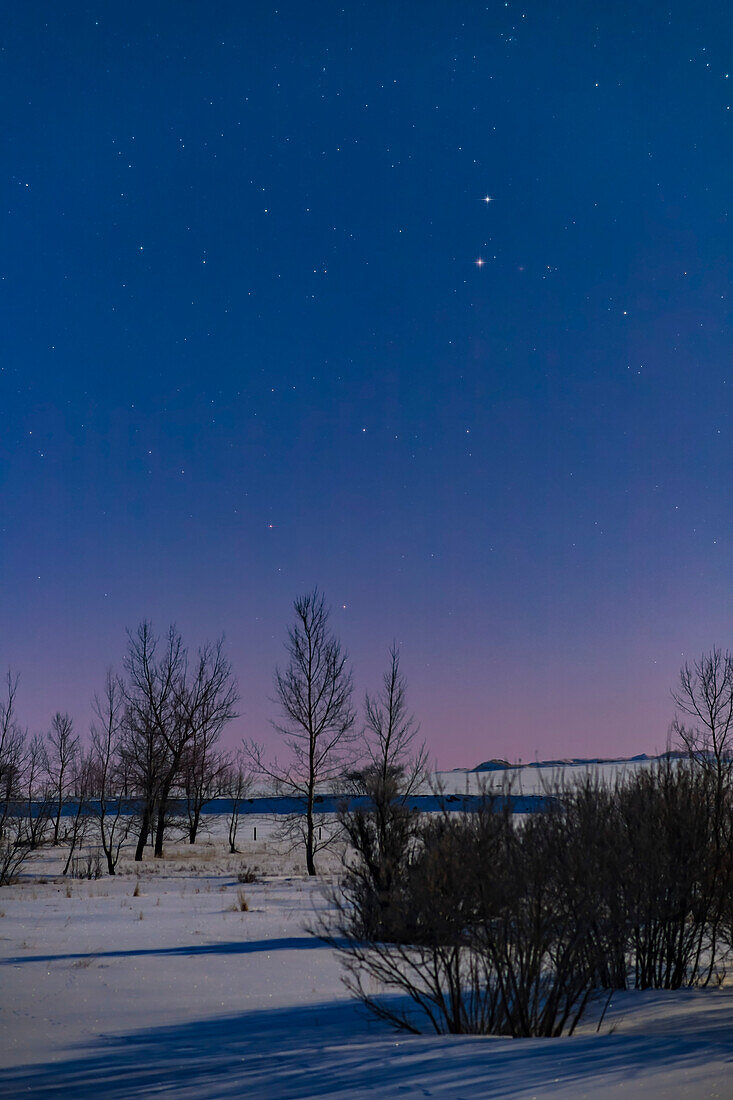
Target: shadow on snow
{"x":334,"y":1050}
{"x":232,"y":947}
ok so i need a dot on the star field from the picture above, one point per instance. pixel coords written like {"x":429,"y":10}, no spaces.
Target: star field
{"x":429,"y":307}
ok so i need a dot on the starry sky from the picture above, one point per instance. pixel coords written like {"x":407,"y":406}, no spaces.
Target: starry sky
{"x":426,"y":304}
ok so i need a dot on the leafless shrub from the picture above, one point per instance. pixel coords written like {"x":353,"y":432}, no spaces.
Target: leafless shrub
{"x":14,"y":847}
{"x":673,"y":883}
{"x":593,"y":864}
{"x":478,"y":942}
{"x":495,"y":926}
{"x":88,"y":866}
{"x":246,"y":876}
{"x":382,"y":835}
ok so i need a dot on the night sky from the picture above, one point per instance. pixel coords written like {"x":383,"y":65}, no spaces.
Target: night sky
{"x":426,"y":304}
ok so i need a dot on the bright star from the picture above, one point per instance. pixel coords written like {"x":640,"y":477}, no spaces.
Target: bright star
{"x":479,"y":262}
{"x":487,"y":198}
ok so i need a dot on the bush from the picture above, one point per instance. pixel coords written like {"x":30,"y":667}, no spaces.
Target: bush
{"x":383,"y":836}
{"x":14,"y":850}
{"x":87,"y":866}
{"x":488,"y":925}
{"x":479,"y":941}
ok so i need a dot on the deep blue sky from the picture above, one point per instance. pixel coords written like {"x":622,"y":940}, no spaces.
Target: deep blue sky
{"x":246,"y":349}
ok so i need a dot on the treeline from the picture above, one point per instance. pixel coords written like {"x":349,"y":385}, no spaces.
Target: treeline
{"x":153,"y":758}
{"x":489,"y":924}
{"x":152,"y":754}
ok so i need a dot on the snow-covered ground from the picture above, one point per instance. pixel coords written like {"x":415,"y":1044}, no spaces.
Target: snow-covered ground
{"x":177,"y":992}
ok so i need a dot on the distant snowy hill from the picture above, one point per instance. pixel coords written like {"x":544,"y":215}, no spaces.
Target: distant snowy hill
{"x":534,"y":777}
{"x":572,"y":762}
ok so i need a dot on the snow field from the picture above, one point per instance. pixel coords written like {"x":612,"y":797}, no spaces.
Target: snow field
{"x":155,"y":982}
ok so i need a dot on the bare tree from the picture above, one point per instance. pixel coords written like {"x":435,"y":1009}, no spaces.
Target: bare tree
{"x":79,"y":823}
{"x":207,"y":702}
{"x":37,"y":793}
{"x":203,"y":772}
{"x":237,"y":784}
{"x":63,"y":750}
{"x":12,"y":740}
{"x":152,"y":721}
{"x":391,"y":731}
{"x":705,"y":695}
{"x":705,"y":698}
{"x":206,"y":699}
{"x":382,"y":831}
{"x":314,"y":692}
{"x":14,"y":846}
{"x":169,"y":704}
{"x":108,"y":780}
